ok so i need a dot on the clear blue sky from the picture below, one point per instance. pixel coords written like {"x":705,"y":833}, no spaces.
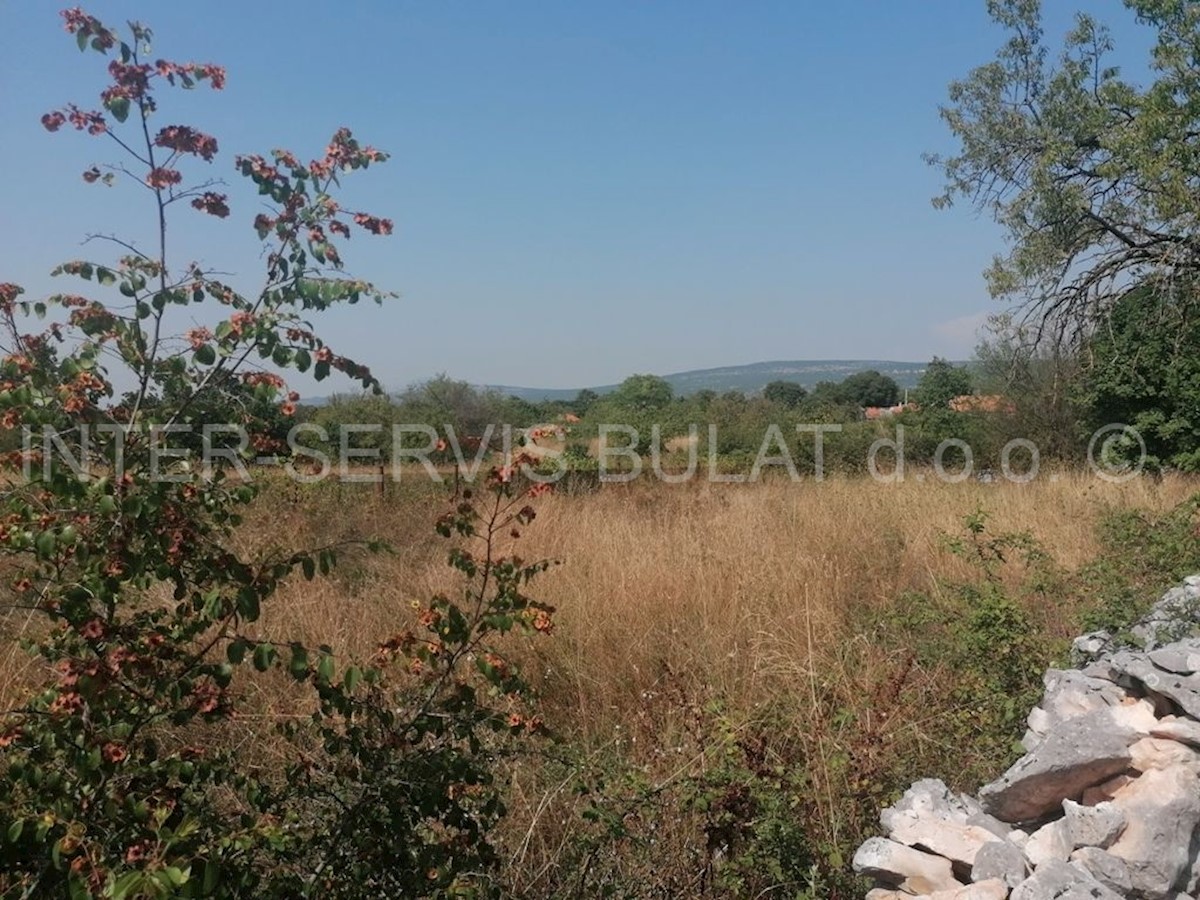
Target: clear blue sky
{"x":581,"y":190}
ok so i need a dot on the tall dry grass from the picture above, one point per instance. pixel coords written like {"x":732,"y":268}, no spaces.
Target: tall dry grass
{"x":743,"y":587}
{"x":674,"y":601}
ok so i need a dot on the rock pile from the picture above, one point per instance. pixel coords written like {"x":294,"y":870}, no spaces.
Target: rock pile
{"x":1104,"y":804}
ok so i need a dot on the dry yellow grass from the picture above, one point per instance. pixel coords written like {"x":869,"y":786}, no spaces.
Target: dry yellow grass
{"x":743,"y":588}
{"x":670,"y":597}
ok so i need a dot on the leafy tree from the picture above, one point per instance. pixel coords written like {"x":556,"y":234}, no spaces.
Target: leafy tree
{"x":643,"y":392}
{"x":1143,"y":371}
{"x":870,"y":388}
{"x":787,"y":394}
{"x":1092,"y":177}
{"x":940,"y":383}
{"x":583,"y":401}
{"x":443,"y":400}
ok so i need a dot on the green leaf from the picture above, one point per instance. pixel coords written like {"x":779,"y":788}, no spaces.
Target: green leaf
{"x":119,"y":107}
{"x":236,"y":651}
{"x":351,"y":679}
{"x":299,"y":664}
{"x":205,"y":355}
{"x":15,"y":829}
{"x":302,"y":359}
{"x":264,"y":656}
{"x":81,"y":39}
{"x":321,"y":370}
{"x":308,"y":567}
{"x":105,"y":276}
{"x":45,"y":544}
{"x":211,"y":877}
{"x":325,"y":667}
{"x":125,"y":884}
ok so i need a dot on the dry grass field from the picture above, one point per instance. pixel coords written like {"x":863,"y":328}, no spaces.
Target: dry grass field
{"x":746,"y":588}
{"x":698,"y":614}
{"x":698,"y":626}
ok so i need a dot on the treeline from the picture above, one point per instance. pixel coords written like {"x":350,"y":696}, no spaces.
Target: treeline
{"x":1127,"y":373}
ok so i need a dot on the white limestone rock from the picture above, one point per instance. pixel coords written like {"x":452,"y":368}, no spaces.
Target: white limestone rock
{"x":1093,"y":826}
{"x":896,"y":865}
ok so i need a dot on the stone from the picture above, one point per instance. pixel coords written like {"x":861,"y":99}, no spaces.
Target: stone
{"x":1171,"y":618}
{"x":1185,"y":731}
{"x":1136,"y":669}
{"x":895,"y":865}
{"x":1161,"y":753}
{"x":1050,"y":843}
{"x":1182,"y":658}
{"x":1105,"y":790}
{"x":1162,"y":810}
{"x":1107,"y":869}
{"x":1090,"y":646}
{"x":1068,"y":694}
{"x":1002,"y":860}
{"x":981,"y":890}
{"x":884,"y":894}
{"x":990,"y":824}
{"x":1062,"y":881}
{"x":1074,"y":755}
{"x":1092,"y":826}
{"x":931,"y":817}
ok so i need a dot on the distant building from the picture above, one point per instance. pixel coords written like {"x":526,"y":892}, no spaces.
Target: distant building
{"x":992,"y":403}
{"x":871,"y":413}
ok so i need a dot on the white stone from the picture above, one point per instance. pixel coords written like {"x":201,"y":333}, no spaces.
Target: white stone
{"x":1050,"y":843}
{"x":899,"y":866}
{"x":1092,"y":826}
{"x":930,"y":816}
{"x":980,"y":890}
{"x":1107,"y":869}
{"x":1186,"y":731}
{"x":1062,"y":881}
{"x":1075,"y":754}
{"x":1162,"y":810}
{"x":1161,"y":753}
{"x":1001,"y":860}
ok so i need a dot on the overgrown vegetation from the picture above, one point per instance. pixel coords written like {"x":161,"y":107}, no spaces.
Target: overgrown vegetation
{"x":242,"y":687}
{"x":122,"y":773}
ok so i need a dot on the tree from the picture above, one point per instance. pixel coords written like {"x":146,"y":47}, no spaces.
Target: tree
{"x":940,"y":383}
{"x":1144,"y":371}
{"x":787,"y":394}
{"x":870,"y":388}
{"x":1092,"y":177}
{"x":643,"y":392}
{"x":1040,"y":381}
{"x":583,"y":401}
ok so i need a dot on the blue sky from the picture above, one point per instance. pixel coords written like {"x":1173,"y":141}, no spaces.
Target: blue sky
{"x":581,"y":190}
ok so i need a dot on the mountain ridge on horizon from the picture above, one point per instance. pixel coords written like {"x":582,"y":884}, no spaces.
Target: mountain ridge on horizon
{"x":748,"y":378}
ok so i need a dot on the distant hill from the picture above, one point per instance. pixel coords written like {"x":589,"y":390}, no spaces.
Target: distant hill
{"x":748,"y":378}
